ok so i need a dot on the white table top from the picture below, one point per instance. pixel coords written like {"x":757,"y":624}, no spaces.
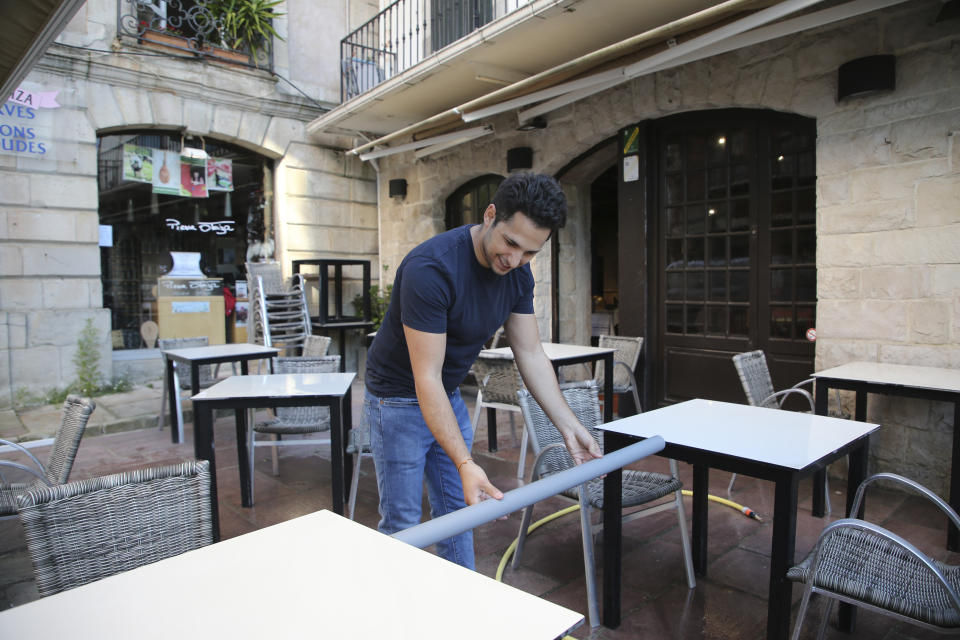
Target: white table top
{"x":236,"y":349}
{"x":554,"y":351}
{"x":279,"y":385}
{"x":317,"y":576}
{"x":772,"y":436}
{"x":935,"y":378}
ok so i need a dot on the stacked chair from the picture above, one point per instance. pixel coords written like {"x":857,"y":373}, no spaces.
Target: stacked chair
{"x":279,"y":308}
{"x":625,"y":361}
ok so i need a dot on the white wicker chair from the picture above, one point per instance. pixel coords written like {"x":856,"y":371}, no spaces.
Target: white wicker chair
{"x":184,"y":375}
{"x":639,"y":487}
{"x":84,"y":531}
{"x":864,"y":564}
{"x":625,"y":360}
{"x":497,"y":384}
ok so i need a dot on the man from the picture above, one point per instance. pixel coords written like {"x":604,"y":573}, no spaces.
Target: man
{"x":450,"y":295}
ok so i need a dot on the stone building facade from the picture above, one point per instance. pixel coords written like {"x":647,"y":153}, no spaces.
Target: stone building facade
{"x":324,"y":203}
{"x":887,"y":197}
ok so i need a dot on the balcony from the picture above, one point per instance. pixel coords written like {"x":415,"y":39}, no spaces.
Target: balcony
{"x":187,"y":28}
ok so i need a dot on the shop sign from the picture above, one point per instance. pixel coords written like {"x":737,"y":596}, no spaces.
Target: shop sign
{"x":174,"y":288}
{"x":26,"y":123}
{"x":220,"y":227}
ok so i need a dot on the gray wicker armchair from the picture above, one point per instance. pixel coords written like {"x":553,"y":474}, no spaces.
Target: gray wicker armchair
{"x":84,"y":531}
{"x":625,"y":361}
{"x":864,"y":564}
{"x":76,"y":415}
{"x":639,"y":487}
{"x":498,"y":381}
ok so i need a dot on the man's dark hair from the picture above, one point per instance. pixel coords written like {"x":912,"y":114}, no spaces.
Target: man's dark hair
{"x":537,"y":196}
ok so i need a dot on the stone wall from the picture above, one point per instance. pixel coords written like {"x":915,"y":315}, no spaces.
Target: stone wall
{"x":888,"y":187}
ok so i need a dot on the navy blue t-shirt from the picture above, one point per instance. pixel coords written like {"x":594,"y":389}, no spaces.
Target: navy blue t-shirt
{"x":441,"y":288}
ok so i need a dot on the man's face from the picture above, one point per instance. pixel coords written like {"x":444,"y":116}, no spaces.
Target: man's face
{"x":504,"y":246}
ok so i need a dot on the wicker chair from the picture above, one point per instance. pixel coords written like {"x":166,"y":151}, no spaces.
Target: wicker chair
{"x":639,"y":487}
{"x":624,"y":364}
{"x":87,"y":530}
{"x":498,"y":381}
{"x":864,"y":564}
{"x":758,"y":387}
{"x":279,"y":308}
{"x":184,"y":375}
{"x":314,"y":346}
{"x":76,"y":415}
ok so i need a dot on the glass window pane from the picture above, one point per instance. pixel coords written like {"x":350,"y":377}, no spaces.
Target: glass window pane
{"x":717,"y":245}
{"x":806,"y":169}
{"x":674,"y":318}
{"x":696,"y":152}
{"x":739,"y":321}
{"x":695,"y":220}
{"x":675,"y":285}
{"x":739,"y":215}
{"x":674,"y":221}
{"x":781,"y":247}
{"x":740,"y":250}
{"x":716,"y":217}
{"x":740,"y":180}
{"x":695,"y":318}
{"x":695,"y":252}
{"x":717,"y":182}
{"x":806,"y":245}
{"x":674,"y":254}
{"x":781,"y":285}
{"x":674,"y":157}
{"x":738,"y":142}
{"x":739,"y":286}
{"x":781,"y":209}
{"x":805,"y":320}
{"x":717,"y":320}
{"x":718,"y":149}
{"x":806,"y":206}
{"x":806,"y":285}
{"x":674,"y":188}
{"x":696,"y":185}
{"x":781,"y":172}
{"x":781,"y":322}
{"x":695,"y":285}
{"x":718,"y":286}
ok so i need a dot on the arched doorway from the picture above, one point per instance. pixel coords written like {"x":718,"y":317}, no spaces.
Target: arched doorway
{"x":728,"y":202}
{"x":467,"y":204}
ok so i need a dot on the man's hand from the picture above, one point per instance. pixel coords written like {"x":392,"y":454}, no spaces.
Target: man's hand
{"x":476,"y":486}
{"x":581,"y":445}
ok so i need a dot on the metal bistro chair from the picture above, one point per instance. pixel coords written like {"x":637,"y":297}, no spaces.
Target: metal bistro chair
{"x":84,"y":531}
{"x":864,"y":564}
{"x":76,"y":415}
{"x":184,"y":375}
{"x":639,"y":487}
{"x":279,"y":308}
{"x":758,"y":387}
{"x":624,"y":364}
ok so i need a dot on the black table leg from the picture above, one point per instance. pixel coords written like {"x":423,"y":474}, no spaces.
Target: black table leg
{"x":337,"y":454}
{"x":781,"y":555}
{"x":348,"y":460}
{"x":612,"y":534}
{"x":203,"y":450}
{"x":244,"y":367}
{"x":701,"y":489}
{"x":194,"y":383}
{"x":173,"y":393}
{"x":243,"y":457}
{"x":856,"y":473}
{"x":820,"y":477}
{"x":608,"y":387}
{"x":953,"y":536}
{"x":491,"y":429}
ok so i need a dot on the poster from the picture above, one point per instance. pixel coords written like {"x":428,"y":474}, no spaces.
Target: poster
{"x":137,"y":163}
{"x":166,"y":175}
{"x":193,"y":177}
{"x":242,"y":311}
{"x":219,"y":174}
{"x":26,"y":123}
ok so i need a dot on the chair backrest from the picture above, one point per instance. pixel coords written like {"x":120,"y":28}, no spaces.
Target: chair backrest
{"x":319,"y":416}
{"x":84,"y":531}
{"x":755,"y":378}
{"x":628,"y":352}
{"x":498,"y":379}
{"x":315,"y":345}
{"x":270,"y":274}
{"x":186,"y":378}
{"x":583,"y":398}
{"x":497,"y":338}
{"x":76,"y":415}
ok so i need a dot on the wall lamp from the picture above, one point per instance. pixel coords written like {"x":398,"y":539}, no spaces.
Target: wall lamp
{"x":398,"y":188}
{"x":519,"y":158}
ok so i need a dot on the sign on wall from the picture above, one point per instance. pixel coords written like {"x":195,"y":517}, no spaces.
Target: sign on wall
{"x":26,"y":123}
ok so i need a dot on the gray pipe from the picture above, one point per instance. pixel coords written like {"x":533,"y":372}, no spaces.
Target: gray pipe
{"x":432,"y":531}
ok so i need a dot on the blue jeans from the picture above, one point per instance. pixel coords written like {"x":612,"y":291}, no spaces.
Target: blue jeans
{"x":404,"y":452}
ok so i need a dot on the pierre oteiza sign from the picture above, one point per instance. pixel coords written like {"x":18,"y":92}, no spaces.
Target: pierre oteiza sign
{"x":220,"y":227}
{"x":26,"y":123}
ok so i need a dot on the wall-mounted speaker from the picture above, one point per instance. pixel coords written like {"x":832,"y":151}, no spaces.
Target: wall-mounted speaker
{"x":865,"y":76}
{"x":398,"y":188}
{"x":519,"y":158}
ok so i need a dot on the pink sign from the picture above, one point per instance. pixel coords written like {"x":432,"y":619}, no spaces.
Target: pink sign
{"x":36,"y":99}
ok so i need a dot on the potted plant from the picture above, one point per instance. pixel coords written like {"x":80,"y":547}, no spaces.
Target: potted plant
{"x":246,"y":24}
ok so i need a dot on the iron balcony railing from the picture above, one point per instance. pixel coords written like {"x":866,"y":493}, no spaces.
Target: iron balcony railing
{"x":190,"y":27}
{"x":405,"y":33}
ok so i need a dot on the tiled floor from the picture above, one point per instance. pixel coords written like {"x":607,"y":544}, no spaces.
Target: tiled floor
{"x":729,"y":603}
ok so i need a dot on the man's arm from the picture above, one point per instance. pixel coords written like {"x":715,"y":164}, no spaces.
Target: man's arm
{"x":426,"y":359}
{"x":540,"y":379}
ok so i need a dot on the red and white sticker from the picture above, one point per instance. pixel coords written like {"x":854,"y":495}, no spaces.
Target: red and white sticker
{"x":812,"y":334}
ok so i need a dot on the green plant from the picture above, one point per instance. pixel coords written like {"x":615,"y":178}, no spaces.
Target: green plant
{"x":246,"y":23}
{"x":87,"y":361}
{"x":379,"y":301}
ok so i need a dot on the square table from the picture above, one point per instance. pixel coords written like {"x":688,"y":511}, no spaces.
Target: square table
{"x":930,"y":383}
{"x":195,"y":357}
{"x":271,"y":391}
{"x":560,"y":354}
{"x":770,"y":444}
{"x":316,"y":576}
